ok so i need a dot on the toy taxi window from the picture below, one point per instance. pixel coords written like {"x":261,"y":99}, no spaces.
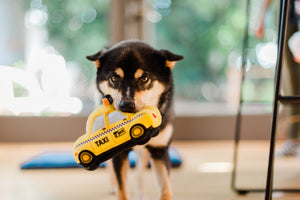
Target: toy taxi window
{"x":115,"y":116}
{"x":98,"y":123}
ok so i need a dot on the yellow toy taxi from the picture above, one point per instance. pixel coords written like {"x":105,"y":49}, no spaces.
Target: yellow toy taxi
{"x":110,"y":131}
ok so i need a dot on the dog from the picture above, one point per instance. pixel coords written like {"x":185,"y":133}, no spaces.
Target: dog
{"x":135,"y":74}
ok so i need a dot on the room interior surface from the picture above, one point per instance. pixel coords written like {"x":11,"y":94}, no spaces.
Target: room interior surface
{"x":205,"y":173}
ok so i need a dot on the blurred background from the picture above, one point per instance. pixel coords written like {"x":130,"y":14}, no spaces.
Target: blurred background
{"x":48,"y":88}
{"x":43,"y":45}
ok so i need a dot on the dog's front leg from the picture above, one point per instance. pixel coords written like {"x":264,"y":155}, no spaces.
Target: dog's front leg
{"x":120,"y":165}
{"x":142,"y":162}
{"x":161,"y":164}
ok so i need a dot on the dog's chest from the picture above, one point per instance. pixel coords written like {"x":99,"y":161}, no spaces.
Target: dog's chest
{"x":163,"y":138}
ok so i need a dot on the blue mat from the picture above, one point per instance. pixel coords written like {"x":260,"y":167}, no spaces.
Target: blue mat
{"x":53,"y":160}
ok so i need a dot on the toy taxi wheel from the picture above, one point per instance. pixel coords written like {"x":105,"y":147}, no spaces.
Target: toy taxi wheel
{"x":86,"y":157}
{"x":137,"y":131}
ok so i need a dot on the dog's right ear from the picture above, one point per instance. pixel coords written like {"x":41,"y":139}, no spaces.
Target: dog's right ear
{"x":171,"y":58}
{"x":96,"y":57}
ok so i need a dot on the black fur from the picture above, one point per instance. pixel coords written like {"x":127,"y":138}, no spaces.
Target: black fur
{"x":160,"y":153}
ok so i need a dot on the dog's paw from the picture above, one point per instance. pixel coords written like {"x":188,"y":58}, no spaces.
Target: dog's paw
{"x":140,"y":198}
{"x":166,"y":196}
{"x":112,"y":190}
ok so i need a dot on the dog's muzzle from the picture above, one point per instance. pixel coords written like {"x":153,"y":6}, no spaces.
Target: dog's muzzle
{"x":127,"y":106}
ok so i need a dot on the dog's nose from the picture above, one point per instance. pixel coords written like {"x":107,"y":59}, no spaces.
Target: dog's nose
{"x":127,"y":106}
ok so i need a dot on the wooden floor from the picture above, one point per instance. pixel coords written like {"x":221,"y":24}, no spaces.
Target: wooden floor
{"x":205,"y":174}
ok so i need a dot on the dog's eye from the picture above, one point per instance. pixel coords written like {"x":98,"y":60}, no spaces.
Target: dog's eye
{"x":144,"y":79}
{"x":115,"y":78}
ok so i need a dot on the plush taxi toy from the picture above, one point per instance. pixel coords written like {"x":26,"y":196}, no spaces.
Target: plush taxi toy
{"x":110,"y":131}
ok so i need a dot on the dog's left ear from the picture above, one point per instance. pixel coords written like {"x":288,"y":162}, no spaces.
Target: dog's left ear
{"x":171,"y":58}
{"x":96,"y":57}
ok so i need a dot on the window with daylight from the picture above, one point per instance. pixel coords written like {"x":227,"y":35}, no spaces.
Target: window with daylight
{"x":210,"y":35}
{"x":44,"y":72}
{"x":43,"y":69}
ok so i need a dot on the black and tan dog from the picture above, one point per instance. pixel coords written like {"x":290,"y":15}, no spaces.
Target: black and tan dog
{"x":135,"y":74}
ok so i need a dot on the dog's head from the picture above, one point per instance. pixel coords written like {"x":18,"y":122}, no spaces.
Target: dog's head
{"x":135,"y":74}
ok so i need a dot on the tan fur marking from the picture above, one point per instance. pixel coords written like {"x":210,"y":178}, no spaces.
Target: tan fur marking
{"x":97,"y":63}
{"x":113,"y":178}
{"x":142,"y":156}
{"x":120,"y":72}
{"x":138,"y":73}
{"x":122,"y":192}
{"x":163,"y":138}
{"x":163,"y":179}
{"x":149,"y":97}
{"x":170,"y":64}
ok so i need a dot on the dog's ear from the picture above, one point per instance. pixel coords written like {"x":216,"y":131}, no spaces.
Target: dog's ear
{"x":96,"y":57}
{"x":171,"y":58}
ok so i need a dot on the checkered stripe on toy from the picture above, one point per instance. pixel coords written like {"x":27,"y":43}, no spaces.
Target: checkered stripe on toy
{"x":109,"y":130}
